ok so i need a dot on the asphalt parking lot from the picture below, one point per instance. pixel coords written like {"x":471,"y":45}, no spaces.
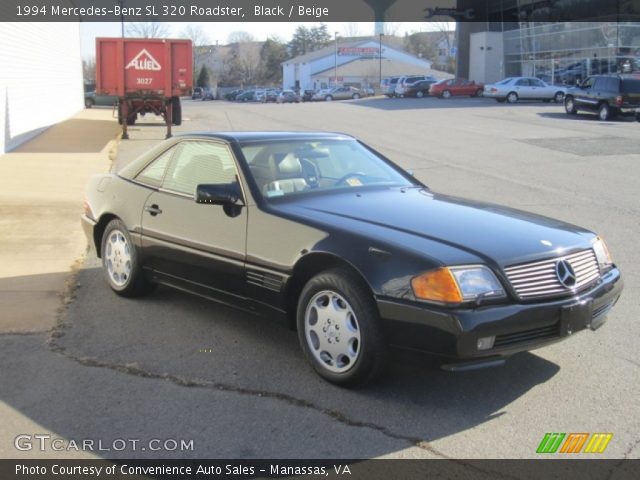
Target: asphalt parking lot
{"x":177,"y":366}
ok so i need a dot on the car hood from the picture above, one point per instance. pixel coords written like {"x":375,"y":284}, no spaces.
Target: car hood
{"x":406,"y":215}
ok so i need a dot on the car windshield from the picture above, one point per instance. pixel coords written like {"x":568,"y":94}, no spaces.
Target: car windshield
{"x":300,"y":167}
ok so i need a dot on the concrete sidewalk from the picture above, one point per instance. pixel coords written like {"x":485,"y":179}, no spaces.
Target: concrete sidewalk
{"x":42,"y":185}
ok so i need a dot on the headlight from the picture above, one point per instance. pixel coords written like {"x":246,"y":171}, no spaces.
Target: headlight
{"x":602,"y":253}
{"x":457,"y":284}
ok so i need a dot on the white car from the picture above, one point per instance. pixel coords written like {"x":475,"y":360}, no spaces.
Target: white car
{"x":513,"y":89}
{"x":260,"y":95}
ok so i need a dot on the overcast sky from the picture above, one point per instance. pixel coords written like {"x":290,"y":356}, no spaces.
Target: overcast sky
{"x":260,"y":30}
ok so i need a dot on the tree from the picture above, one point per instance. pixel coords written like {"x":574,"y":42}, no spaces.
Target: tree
{"x":240,"y":37}
{"x":89,"y":70}
{"x":421,"y":45}
{"x":148,"y":30}
{"x":199,"y":40}
{"x":203,"y":77}
{"x":272,"y":54}
{"x":320,"y":36}
{"x":307,"y":40}
{"x":351,"y":29}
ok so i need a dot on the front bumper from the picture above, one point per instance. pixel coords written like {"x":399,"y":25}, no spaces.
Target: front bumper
{"x":88,"y":226}
{"x":517,"y":327}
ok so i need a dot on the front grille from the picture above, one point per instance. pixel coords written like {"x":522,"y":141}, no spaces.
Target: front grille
{"x":526,"y":336}
{"x":539,"y":279}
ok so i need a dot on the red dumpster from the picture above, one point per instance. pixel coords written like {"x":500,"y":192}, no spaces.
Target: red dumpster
{"x":148,"y":75}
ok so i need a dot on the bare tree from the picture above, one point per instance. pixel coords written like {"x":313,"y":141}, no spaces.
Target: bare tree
{"x":148,"y":30}
{"x":200,"y":41}
{"x":391,"y":28}
{"x":240,"y":37}
{"x":196,"y":34}
{"x":351,"y":29}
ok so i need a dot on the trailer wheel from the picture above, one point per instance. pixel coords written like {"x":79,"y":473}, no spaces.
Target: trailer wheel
{"x":177,"y":111}
{"x":131,"y":120}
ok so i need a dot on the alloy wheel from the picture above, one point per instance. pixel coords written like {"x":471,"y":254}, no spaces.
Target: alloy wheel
{"x":332,"y":331}
{"x":117,"y":258}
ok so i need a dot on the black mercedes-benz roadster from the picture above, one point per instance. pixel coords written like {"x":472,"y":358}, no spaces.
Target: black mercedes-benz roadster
{"x":353,"y":251}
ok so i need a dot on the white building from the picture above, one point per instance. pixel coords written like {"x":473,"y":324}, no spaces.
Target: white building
{"x":358,"y":64}
{"x":40,"y":78}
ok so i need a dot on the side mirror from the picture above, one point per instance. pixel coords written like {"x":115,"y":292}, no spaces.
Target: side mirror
{"x":225,"y":194}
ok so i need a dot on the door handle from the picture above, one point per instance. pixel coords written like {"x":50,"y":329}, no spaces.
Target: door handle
{"x":153,"y":210}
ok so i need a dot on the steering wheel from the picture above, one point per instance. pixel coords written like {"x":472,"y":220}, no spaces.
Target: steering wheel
{"x":310,"y":173}
{"x":349,"y":175}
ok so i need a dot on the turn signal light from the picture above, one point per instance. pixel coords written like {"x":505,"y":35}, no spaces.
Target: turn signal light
{"x":437,"y":285}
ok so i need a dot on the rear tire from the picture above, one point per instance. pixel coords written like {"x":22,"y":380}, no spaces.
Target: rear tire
{"x":446,"y":94}
{"x":120,"y":263}
{"x":512,"y":97}
{"x":88,"y":103}
{"x":604,"y":112}
{"x":337,"y":317}
{"x":356,"y":96}
{"x":419,"y":94}
{"x":328,"y":98}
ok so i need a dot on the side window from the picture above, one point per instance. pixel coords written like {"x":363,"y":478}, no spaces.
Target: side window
{"x":154,"y":172}
{"x":536,"y":82}
{"x":197,"y":163}
{"x":523,"y":82}
{"x":588,"y":83}
{"x":613,"y":85}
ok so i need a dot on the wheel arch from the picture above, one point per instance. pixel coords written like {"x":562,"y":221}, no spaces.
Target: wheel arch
{"x":98,"y":231}
{"x":306,"y":268}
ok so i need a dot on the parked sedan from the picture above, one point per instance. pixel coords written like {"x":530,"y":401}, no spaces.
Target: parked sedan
{"x":288,"y":96}
{"x":419,"y":89}
{"x":91,"y":99}
{"x":513,"y":89}
{"x":247,"y":96}
{"x":358,"y":255}
{"x":455,"y":87}
{"x":343,"y":93}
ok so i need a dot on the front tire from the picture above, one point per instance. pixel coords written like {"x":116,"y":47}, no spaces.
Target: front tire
{"x":356,"y":96}
{"x":446,"y":94}
{"x":419,"y":94}
{"x":570,"y":106}
{"x":339,"y":328}
{"x":328,"y":98}
{"x":558,"y":97}
{"x":120,"y":263}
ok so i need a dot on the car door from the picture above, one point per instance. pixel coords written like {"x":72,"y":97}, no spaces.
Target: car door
{"x":522,"y":88}
{"x":191,"y":245}
{"x":584,"y":96}
{"x":539,"y":89}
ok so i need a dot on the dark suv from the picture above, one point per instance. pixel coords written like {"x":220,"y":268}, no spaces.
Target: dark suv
{"x":606,"y":95}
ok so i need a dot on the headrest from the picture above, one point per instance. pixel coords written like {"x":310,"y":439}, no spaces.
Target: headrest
{"x":289,"y":165}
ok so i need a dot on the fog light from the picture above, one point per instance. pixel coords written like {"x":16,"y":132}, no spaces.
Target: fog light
{"x":485,"y":343}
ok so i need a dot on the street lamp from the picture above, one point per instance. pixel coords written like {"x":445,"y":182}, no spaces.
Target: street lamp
{"x":380,"y":58}
{"x":335,"y":68}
